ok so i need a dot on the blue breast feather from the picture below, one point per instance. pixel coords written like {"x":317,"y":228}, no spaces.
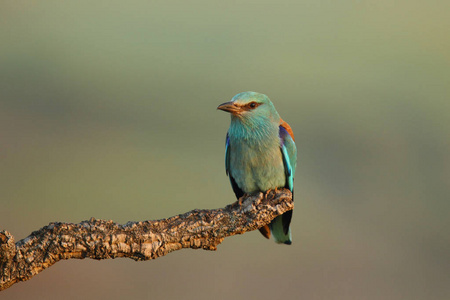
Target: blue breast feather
{"x":287,"y":147}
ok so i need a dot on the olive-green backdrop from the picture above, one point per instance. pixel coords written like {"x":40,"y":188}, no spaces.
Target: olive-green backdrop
{"x":108,"y":110}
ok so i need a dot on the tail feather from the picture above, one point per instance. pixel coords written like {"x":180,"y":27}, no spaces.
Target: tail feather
{"x":286,"y":221}
{"x":280,"y":230}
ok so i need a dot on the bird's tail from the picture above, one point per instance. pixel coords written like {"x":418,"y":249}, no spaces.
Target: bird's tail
{"x":280,"y":228}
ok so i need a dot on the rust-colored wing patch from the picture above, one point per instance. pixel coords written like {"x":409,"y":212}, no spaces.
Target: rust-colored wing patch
{"x":288,"y":128}
{"x":265,"y":231}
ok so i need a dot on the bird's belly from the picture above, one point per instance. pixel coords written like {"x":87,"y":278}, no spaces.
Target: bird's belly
{"x":254,"y":171}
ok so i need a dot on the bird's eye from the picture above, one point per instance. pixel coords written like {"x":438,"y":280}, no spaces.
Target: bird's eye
{"x":253,"y":105}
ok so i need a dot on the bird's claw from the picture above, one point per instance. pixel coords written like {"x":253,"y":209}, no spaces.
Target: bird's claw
{"x":270,"y":190}
{"x":241,"y":199}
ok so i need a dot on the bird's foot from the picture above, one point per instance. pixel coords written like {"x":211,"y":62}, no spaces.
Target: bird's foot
{"x":241,"y":199}
{"x":270,"y":190}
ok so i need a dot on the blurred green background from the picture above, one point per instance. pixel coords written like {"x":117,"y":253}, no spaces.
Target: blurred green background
{"x":108,"y":109}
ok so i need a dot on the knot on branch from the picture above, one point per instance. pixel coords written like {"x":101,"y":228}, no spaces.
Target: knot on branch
{"x":7,"y":247}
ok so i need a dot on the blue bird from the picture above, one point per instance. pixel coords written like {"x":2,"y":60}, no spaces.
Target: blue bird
{"x":260,"y":154}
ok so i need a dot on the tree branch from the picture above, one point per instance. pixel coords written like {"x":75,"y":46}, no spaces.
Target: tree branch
{"x":99,"y":239}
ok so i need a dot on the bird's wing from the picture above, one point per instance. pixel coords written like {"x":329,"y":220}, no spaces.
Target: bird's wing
{"x":227,"y":154}
{"x":288,"y":128}
{"x":289,"y":152}
{"x":237,"y":191}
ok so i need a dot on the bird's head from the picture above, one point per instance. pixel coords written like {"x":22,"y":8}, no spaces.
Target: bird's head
{"x":251,"y":107}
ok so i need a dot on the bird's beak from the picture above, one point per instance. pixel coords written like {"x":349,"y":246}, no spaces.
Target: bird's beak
{"x":230,"y":107}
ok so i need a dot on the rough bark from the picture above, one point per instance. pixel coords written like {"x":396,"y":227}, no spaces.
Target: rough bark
{"x":100,"y":239}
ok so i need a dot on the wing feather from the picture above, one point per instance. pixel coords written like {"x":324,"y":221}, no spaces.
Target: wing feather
{"x":237,"y":191}
{"x":289,"y":152}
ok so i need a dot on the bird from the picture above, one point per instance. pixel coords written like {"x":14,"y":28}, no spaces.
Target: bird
{"x":260,"y":154}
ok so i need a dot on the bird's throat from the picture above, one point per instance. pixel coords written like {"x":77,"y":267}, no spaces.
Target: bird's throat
{"x":251,"y":129}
